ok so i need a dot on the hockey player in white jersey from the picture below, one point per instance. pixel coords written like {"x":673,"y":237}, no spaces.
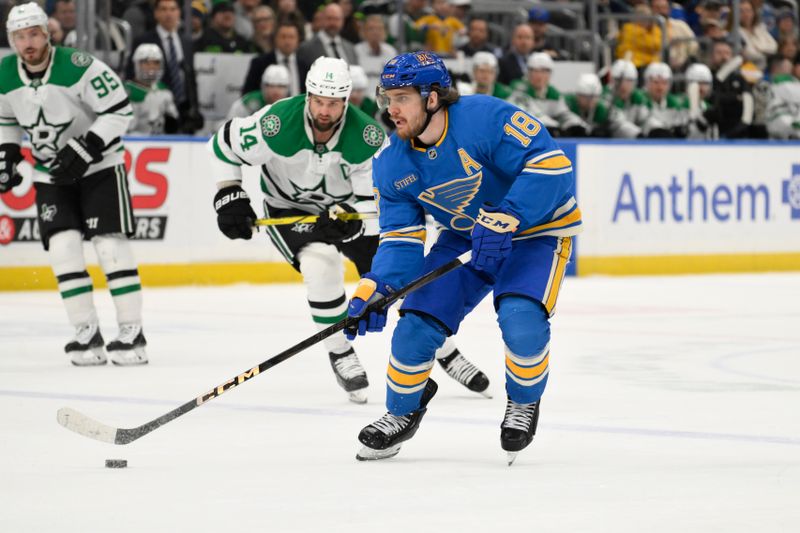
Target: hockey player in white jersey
{"x":74,"y":109}
{"x":274,"y":87}
{"x":315,"y":152}
{"x":154,"y":109}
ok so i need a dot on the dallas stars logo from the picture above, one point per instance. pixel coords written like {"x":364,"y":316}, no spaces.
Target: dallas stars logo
{"x":44,"y":135}
{"x":317,"y":195}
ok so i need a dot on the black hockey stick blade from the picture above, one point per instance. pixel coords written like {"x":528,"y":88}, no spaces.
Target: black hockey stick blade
{"x":88,"y":427}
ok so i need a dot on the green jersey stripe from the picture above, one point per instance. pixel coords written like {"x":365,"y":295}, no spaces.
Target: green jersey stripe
{"x":220,"y":155}
{"x":329,"y":319}
{"x":125,"y":290}
{"x":76,"y":291}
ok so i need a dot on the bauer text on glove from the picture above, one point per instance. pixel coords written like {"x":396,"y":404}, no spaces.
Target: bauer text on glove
{"x":235,"y":216}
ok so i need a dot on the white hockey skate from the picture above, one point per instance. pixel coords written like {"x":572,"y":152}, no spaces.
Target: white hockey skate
{"x":86,"y":349}
{"x":350,"y":375}
{"x":128,"y":349}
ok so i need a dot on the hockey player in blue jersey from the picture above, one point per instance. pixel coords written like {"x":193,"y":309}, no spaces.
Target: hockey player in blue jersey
{"x":495,"y":179}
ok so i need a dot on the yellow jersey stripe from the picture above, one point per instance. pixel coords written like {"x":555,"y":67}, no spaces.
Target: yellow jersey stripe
{"x":551,"y":163}
{"x":558,"y":277}
{"x":528,"y":372}
{"x":571,"y":218}
{"x":409,"y":380}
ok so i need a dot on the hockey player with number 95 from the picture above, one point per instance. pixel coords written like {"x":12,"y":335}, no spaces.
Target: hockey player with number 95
{"x":74,"y":109}
{"x":315,"y":153}
{"x":494,"y":178}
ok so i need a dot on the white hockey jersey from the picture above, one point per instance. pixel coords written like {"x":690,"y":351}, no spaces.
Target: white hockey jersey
{"x":296,"y":172}
{"x":77,"y":94}
{"x":151,"y":106}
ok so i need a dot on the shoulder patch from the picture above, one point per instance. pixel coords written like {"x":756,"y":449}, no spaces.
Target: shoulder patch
{"x":80,"y":59}
{"x":270,"y":125}
{"x":373,"y":135}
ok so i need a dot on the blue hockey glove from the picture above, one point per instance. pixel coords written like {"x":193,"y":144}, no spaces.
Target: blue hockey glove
{"x":491,"y":237}
{"x":9,"y":157}
{"x":369,"y":290}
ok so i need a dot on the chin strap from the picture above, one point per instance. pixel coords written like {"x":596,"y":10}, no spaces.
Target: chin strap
{"x":428,"y":117}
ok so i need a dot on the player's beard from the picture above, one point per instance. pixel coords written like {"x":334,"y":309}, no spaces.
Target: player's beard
{"x":34,"y":60}
{"x":323,"y":126}
{"x":413,"y":129}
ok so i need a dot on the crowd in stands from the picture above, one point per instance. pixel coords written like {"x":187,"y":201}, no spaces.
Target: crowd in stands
{"x":671,"y":69}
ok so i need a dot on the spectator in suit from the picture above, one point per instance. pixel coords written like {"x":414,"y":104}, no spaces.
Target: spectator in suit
{"x":287,"y":10}
{"x":513,"y":63}
{"x":478,"y":38}
{"x":64,"y":13}
{"x":220,"y":37}
{"x":179,"y":73}
{"x":328,"y":42}
{"x":263,"y":20}
{"x":287,"y":39}
{"x":373,"y":52}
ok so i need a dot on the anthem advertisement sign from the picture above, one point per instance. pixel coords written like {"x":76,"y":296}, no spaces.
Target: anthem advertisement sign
{"x":691,"y":208}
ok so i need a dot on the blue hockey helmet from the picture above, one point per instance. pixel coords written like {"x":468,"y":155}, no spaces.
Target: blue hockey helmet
{"x":415,"y":69}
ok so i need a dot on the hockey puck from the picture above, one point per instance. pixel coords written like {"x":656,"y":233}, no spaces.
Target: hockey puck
{"x":116,"y":463}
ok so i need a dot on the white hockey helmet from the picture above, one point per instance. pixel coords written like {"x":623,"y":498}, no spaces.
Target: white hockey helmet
{"x":540,"y":61}
{"x":26,"y":16}
{"x":658,"y":70}
{"x":330,"y":77}
{"x":484,"y":59}
{"x":148,"y":52}
{"x":589,"y":85}
{"x":698,"y":73}
{"x":275,"y":75}
{"x":624,"y":69}
{"x":359,"y":77}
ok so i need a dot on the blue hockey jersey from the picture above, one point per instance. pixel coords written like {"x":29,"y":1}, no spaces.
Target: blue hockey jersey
{"x":490,"y":152}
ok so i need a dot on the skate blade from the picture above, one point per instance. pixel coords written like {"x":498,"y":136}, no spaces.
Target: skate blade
{"x":369,"y":454}
{"x":133,"y":357}
{"x":88,"y":358}
{"x":358,"y":396}
{"x":511,"y":457}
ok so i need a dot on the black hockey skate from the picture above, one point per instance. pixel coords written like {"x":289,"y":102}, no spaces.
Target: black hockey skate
{"x":350,"y":375}
{"x":460,"y":369}
{"x":518,"y":427}
{"x":86,"y":349}
{"x":128,"y":348}
{"x":382,"y":439}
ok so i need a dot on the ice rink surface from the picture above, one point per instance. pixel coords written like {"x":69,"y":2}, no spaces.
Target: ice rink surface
{"x":673,"y":405}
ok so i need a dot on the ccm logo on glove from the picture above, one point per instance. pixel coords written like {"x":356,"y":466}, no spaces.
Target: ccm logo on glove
{"x":497,"y":221}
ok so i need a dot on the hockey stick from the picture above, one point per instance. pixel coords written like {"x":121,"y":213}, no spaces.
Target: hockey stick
{"x":88,"y":427}
{"x":310,"y":219}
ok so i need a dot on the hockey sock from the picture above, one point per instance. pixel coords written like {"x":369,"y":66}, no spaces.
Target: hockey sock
{"x":414,"y":343}
{"x":526,"y":333}
{"x":323,"y":275}
{"x":116,"y":259}
{"x":74,"y":283}
{"x":446,"y":349}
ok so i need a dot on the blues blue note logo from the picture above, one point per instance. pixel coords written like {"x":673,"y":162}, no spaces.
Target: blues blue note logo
{"x":453,"y":197}
{"x":791,"y":192}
